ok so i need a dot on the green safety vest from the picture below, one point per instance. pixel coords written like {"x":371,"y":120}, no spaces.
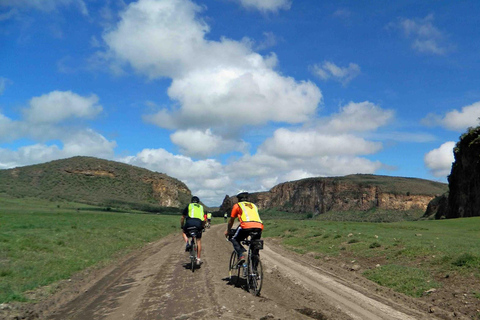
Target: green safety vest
{"x":195,"y":210}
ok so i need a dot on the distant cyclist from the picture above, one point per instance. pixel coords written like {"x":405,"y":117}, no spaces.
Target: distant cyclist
{"x":225,"y":216}
{"x":193,"y":216}
{"x":247,"y":214}
{"x":209,"y":218}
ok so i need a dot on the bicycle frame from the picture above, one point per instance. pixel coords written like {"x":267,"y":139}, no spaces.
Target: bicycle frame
{"x":252,"y":268}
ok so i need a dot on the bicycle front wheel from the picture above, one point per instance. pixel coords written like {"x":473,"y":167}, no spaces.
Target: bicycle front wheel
{"x":255,"y":275}
{"x":233,"y":270}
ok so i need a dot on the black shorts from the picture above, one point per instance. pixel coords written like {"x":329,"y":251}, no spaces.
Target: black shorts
{"x":193,"y":222}
{"x":240,"y":234}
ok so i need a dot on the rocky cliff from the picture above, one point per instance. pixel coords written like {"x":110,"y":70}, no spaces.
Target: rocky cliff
{"x":349,"y":193}
{"x":96,"y":181}
{"x":464,"y":179}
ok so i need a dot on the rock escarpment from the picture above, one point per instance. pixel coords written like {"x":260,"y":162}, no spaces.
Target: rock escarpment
{"x":349,"y":193}
{"x":464,"y":180}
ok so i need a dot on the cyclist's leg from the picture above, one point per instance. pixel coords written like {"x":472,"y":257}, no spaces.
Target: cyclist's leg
{"x":236,"y":240}
{"x":199,"y":243}
{"x":256,"y":252}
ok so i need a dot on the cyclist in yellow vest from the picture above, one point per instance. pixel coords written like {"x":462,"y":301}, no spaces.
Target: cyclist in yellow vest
{"x":247,"y":214}
{"x":209,"y":218}
{"x":193,"y":216}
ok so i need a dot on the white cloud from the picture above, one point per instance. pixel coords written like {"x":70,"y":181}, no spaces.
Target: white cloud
{"x":88,"y":143}
{"x":45,"y":5}
{"x":205,"y":178}
{"x":357,"y":117}
{"x":329,"y":70}
{"x":307,"y":144}
{"x":215,"y":82}
{"x":425,"y":37}
{"x":3,"y":84}
{"x":81,"y":143}
{"x":205,"y":143}
{"x":456,"y":120}
{"x":58,"y":106}
{"x":266,"y":5}
{"x":439,"y":161}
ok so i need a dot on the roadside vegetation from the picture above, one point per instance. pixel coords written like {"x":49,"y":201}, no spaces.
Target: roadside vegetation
{"x":43,"y":241}
{"x":410,"y":257}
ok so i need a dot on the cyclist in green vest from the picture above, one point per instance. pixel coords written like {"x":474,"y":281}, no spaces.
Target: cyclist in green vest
{"x":193,"y":216}
{"x":209,"y":219}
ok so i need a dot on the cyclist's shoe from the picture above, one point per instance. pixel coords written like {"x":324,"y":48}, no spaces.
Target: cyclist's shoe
{"x":242,"y":258}
{"x":199,"y":262}
{"x":187,"y":247}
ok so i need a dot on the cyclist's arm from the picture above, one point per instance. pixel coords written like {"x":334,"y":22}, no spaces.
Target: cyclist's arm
{"x":182,"y":221}
{"x":232,"y":219}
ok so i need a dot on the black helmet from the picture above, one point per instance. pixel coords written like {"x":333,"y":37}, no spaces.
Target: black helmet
{"x":242,"y":196}
{"x":195,"y":199}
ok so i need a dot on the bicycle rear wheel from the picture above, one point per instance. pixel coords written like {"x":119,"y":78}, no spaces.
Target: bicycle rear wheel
{"x":233,"y":269}
{"x":193,"y":254}
{"x":255,"y":275}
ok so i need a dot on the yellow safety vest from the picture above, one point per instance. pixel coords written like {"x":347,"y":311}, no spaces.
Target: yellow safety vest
{"x":209,"y":215}
{"x":195,"y":210}
{"x":249,"y":212}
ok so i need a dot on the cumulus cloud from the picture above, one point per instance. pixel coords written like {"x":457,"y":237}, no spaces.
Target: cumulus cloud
{"x":266,"y":5}
{"x":81,"y":143}
{"x":198,"y":143}
{"x":439,"y":161}
{"x":357,"y":117}
{"x":205,"y":178}
{"x":456,"y":120}
{"x":43,"y":122}
{"x":211,"y":80}
{"x":58,"y":106}
{"x":425,"y":37}
{"x":329,"y":70}
{"x":307,"y":144}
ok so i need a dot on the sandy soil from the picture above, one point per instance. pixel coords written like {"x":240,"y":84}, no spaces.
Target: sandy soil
{"x":155,"y":283}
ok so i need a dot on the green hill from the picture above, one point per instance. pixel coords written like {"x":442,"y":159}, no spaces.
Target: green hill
{"x":96,"y":181}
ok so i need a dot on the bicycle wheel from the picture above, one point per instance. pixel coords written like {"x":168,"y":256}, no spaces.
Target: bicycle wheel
{"x":193,"y":254}
{"x":233,"y":269}
{"x":255,"y":275}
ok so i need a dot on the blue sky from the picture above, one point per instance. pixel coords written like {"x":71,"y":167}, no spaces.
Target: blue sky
{"x":230,"y":95}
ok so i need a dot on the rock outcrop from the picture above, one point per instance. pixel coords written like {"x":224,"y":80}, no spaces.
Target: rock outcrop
{"x":355,"y":192}
{"x":464,"y":180}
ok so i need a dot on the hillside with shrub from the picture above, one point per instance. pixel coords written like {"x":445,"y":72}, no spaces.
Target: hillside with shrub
{"x":98,"y":182}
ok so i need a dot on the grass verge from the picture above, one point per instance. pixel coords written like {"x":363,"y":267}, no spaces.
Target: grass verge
{"x":410,"y":257}
{"x":42,"y":242}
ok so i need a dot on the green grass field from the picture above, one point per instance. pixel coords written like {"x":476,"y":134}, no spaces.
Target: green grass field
{"x":42,"y":242}
{"x":412,"y":255}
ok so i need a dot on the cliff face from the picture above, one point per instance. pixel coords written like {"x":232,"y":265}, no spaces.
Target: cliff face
{"x":464,"y":180}
{"x":358,"y":193}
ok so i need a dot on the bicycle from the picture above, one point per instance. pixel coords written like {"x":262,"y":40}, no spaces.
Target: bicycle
{"x":252,"y":267}
{"x":193,"y":248}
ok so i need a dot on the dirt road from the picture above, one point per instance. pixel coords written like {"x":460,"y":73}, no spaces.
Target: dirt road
{"x":154,"y":283}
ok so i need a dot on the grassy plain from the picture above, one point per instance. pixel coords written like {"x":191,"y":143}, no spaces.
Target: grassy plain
{"x":45,"y":241}
{"x":410,"y":257}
